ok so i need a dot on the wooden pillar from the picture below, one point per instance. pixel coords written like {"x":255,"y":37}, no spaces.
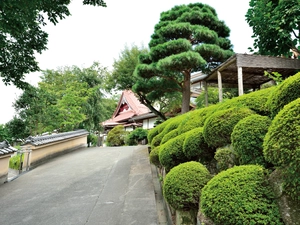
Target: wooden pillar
{"x":240,"y":80}
{"x":220,"y":87}
{"x":206,"y":93}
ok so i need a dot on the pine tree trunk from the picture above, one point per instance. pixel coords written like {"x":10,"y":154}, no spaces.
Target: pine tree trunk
{"x":186,"y":92}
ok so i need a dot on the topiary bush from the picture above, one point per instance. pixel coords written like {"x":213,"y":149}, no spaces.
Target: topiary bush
{"x":116,"y":136}
{"x":240,"y":195}
{"x":281,"y":146}
{"x":168,"y":136}
{"x":219,"y":126}
{"x":183,"y":184}
{"x":154,"y":159}
{"x":195,"y":148}
{"x":196,"y":118}
{"x":171,"y":153}
{"x":247,"y":139}
{"x":256,"y":101}
{"x":135,"y":136}
{"x":226,"y":158}
{"x":285,"y":93}
{"x":152,"y":133}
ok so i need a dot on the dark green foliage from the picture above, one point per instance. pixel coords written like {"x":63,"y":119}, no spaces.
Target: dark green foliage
{"x":226,"y":158}
{"x":135,"y":136}
{"x":116,"y":136}
{"x":195,"y":148}
{"x":154,"y":159}
{"x":218,"y":127}
{"x":286,"y":92}
{"x":171,"y":153}
{"x":22,"y":35}
{"x":240,"y":195}
{"x":281,"y":146}
{"x":183,"y":184}
{"x":92,"y":140}
{"x":247,"y":139}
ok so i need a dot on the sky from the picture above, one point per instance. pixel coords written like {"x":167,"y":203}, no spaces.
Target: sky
{"x":100,"y":34}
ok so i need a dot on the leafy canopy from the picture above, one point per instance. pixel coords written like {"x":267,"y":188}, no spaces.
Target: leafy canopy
{"x":188,"y":38}
{"x":276,"y":26}
{"x":22,"y":36}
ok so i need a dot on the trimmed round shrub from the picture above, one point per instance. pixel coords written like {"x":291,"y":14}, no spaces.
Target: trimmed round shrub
{"x":152,"y":133}
{"x":256,"y":101}
{"x":171,"y":153}
{"x":154,"y":159}
{"x":168,"y":136}
{"x":285,"y":93}
{"x":195,"y":147}
{"x":226,"y":158}
{"x":183,"y":184}
{"x":240,"y":195}
{"x":218,"y":127}
{"x":281,"y":146}
{"x":116,"y":136}
{"x":247,"y":139}
{"x":135,"y":136}
{"x":196,"y":118}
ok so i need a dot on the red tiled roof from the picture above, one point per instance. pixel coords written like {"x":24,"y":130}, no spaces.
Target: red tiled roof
{"x":135,"y":108}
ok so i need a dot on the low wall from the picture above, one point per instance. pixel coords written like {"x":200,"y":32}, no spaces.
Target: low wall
{"x":46,"y":148}
{"x":4,"y":164}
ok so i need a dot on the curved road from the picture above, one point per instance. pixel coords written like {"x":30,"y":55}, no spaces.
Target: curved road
{"x":90,"y":186}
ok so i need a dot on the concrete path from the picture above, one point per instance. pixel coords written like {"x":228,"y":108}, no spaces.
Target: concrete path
{"x":91,"y":186}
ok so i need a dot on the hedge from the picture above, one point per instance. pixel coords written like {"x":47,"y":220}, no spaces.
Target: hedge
{"x":226,"y":158}
{"x":285,"y":93}
{"x":195,"y":147}
{"x":256,"y":101}
{"x":171,"y":153}
{"x":219,"y":126}
{"x":247,"y":139}
{"x":154,"y":159}
{"x":281,"y":146}
{"x":183,"y":184}
{"x":196,"y":118}
{"x":240,"y":195}
{"x":168,"y":136}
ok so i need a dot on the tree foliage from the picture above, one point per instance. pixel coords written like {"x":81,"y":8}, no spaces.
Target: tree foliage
{"x":22,"y":36}
{"x":65,"y":99}
{"x":188,"y":38}
{"x":276,"y":26}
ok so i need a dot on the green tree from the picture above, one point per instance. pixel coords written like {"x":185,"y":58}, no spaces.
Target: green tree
{"x":17,"y":129}
{"x":3,"y":133}
{"x":122,"y":78}
{"x":276,"y":26}
{"x":188,"y":38}
{"x":22,"y":36}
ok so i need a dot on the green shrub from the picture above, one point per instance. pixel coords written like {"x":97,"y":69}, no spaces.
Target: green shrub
{"x":168,"y":136}
{"x":14,"y":161}
{"x":196,"y":118}
{"x":154,"y":159}
{"x":182,"y":185}
{"x":285,"y":93}
{"x":116,"y":136}
{"x":281,"y":146}
{"x":135,"y":136}
{"x":152,"y":133}
{"x":226,"y":158}
{"x":92,"y":140}
{"x":171,"y":153}
{"x":240,"y":195}
{"x":195,"y":148}
{"x":218,"y":127}
{"x":256,"y":101}
{"x":247,"y":139}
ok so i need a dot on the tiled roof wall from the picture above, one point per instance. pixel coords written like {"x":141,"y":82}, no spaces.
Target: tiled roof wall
{"x":5,"y":148}
{"x":41,"y":140}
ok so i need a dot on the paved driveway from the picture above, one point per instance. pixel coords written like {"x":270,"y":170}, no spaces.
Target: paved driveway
{"x":91,"y":186}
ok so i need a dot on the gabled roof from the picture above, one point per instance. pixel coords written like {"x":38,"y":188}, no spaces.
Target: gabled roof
{"x":5,"y":148}
{"x":128,"y":107}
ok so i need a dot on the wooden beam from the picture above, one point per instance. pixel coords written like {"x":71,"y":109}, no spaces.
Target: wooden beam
{"x":206,"y":92}
{"x":220,"y":86}
{"x":240,"y":80}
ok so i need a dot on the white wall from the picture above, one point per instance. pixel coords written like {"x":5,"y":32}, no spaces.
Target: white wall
{"x":149,"y":123}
